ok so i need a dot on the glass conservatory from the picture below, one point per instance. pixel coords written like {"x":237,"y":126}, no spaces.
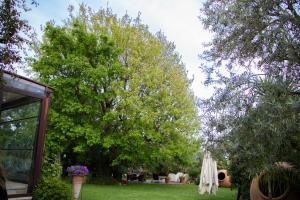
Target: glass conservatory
{"x":23,"y":116}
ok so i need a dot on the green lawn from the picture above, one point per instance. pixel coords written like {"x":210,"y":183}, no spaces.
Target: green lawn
{"x":151,"y":192}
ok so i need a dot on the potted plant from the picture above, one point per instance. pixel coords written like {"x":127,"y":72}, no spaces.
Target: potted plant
{"x":269,"y":186}
{"x":276,"y":183}
{"x":78,"y":173}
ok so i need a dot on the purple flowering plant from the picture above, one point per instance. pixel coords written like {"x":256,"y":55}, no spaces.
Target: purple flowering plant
{"x":79,"y":170}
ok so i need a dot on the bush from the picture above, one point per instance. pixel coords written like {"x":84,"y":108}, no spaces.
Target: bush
{"x":194,"y":172}
{"x":52,"y":188}
{"x":197,"y":181}
{"x":103,"y":180}
{"x":51,"y":168}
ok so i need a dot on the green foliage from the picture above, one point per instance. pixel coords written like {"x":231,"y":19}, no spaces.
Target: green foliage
{"x":253,"y":118}
{"x":51,"y":168}
{"x":121,"y":95}
{"x":273,"y":127}
{"x":264,"y":129}
{"x":83,"y":69}
{"x":52,"y":188}
{"x":101,"y":180}
{"x":194,"y":168}
{"x":156,"y":107}
{"x":261,"y":33}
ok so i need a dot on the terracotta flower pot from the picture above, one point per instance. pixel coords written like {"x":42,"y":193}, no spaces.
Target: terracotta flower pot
{"x":257,"y":194}
{"x":77,"y":182}
{"x":224,"y":179}
{"x":290,"y":191}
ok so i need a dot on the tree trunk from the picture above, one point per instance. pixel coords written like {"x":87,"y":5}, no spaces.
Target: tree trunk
{"x":238,"y":194}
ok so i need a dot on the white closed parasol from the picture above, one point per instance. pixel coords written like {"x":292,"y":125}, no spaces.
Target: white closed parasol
{"x":209,"y":175}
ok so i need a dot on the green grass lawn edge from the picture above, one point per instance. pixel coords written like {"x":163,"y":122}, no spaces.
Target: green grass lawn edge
{"x":151,"y":192}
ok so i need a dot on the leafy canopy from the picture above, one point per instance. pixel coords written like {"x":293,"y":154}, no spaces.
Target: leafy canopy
{"x":253,"y":61}
{"x":121,"y":94}
{"x":257,"y":33}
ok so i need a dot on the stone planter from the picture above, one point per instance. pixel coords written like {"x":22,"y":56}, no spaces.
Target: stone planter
{"x":77,"y":181}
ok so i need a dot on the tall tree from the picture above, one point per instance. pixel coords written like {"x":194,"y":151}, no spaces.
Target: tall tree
{"x":141,"y":113}
{"x":261,"y":33}
{"x":83,"y":69}
{"x":253,"y":60}
{"x":158,"y":109}
{"x":13,"y":32}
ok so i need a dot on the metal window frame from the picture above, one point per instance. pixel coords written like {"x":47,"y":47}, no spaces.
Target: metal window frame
{"x":40,"y":135}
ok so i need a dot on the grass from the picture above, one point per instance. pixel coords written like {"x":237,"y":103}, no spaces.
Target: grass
{"x":151,"y":192}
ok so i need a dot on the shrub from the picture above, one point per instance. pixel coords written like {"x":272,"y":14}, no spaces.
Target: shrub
{"x":103,"y":180}
{"x":197,"y":181}
{"x":51,"y":168}
{"x":52,"y":188}
{"x":194,"y":172}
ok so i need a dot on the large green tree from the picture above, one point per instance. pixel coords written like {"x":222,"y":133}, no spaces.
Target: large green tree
{"x":121,"y":97}
{"x":253,"y":60}
{"x":83,"y":69}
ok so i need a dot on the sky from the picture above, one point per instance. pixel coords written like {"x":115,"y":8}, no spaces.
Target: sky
{"x":178,"y":19}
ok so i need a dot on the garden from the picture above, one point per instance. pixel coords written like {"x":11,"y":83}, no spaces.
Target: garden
{"x":110,"y":110}
{"x":133,"y":191}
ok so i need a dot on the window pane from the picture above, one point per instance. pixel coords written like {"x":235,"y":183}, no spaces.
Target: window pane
{"x":17,"y":165}
{"x":19,"y":134}
{"x":18,"y":128}
{"x":22,"y":108}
